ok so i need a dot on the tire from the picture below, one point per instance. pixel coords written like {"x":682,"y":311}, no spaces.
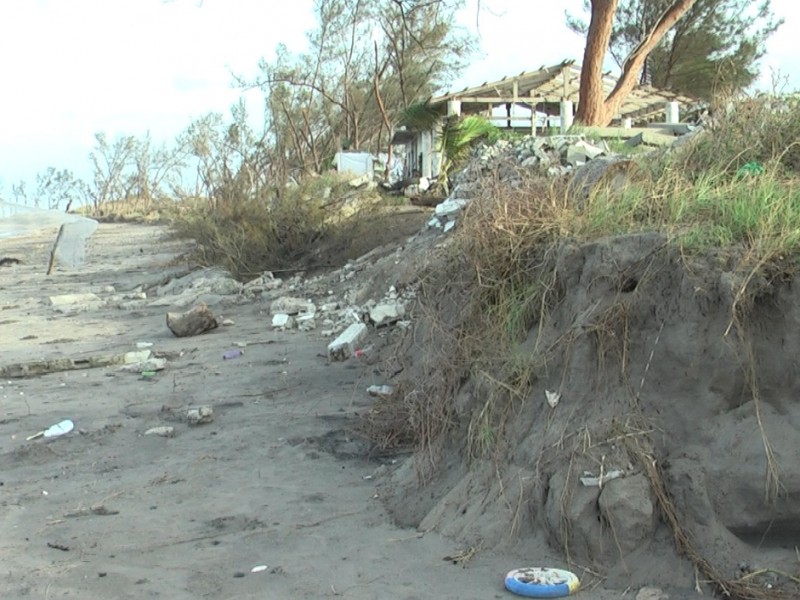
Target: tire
{"x":542,"y":582}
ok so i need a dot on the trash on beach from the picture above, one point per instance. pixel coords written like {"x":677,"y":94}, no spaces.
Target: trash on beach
{"x":381,"y":391}
{"x":259,"y":569}
{"x":56,"y":430}
{"x":162,"y":430}
{"x":234,"y":353}
{"x":200,"y":416}
{"x":553,"y":398}
{"x":589,"y":480}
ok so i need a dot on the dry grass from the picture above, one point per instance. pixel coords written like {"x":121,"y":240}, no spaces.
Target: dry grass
{"x":319,"y":224}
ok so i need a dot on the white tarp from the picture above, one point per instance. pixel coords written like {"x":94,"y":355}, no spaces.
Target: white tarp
{"x":17,"y":220}
{"x":355,"y":163}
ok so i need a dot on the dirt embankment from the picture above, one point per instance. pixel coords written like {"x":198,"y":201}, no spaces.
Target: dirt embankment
{"x":656,"y":438}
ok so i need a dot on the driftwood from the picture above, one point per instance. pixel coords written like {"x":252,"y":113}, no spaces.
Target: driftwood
{"x":53,"y":251}
{"x":194,"y":322}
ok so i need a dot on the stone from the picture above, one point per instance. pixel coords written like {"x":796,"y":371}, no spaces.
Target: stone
{"x":451,"y":206}
{"x":582,"y":152}
{"x":650,"y":138}
{"x":306,"y":322}
{"x":72,"y":299}
{"x":380,"y":391}
{"x":200,"y":416}
{"x":651,"y":593}
{"x":359,"y":181}
{"x":344,"y":346}
{"x":386,"y":314}
{"x":149,"y":364}
{"x":282,"y":321}
{"x":163,"y":431}
{"x":132,"y":358}
{"x":291,"y":306}
{"x":198,"y":320}
{"x":627,"y":505}
{"x":435,"y":223}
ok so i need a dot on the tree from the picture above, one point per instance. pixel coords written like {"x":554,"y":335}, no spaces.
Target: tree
{"x":716,"y":44}
{"x":367,"y":60}
{"x":593,"y":107}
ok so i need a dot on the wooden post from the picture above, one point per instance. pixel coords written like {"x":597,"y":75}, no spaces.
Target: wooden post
{"x":53,"y":251}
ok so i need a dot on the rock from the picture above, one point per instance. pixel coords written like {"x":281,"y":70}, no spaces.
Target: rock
{"x":306,"y":322}
{"x":651,"y":593}
{"x":610,"y":170}
{"x":282,"y":321}
{"x":344,"y":346}
{"x":450,"y":206}
{"x":200,"y":416}
{"x":627,"y":506}
{"x":163,"y":431}
{"x":291,"y":306}
{"x":132,"y":358}
{"x":359,"y":181}
{"x":386,"y":314}
{"x":150,"y":364}
{"x":380,"y":391}
{"x":198,"y":320}
{"x":582,"y":152}
{"x":72,"y":299}
{"x":207,"y":285}
{"x":650,"y":138}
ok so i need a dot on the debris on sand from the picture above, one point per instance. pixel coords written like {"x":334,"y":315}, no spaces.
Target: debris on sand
{"x":198,"y":320}
{"x":200,"y":416}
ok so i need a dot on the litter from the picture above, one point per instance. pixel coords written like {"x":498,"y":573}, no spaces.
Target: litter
{"x":553,"y":398}
{"x":56,"y":430}
{"x":589,"y":480}
{"x":230,"y":354}
{"x":259,"y":569}
{"x":535,"y":582}
{"x":162,"y":430}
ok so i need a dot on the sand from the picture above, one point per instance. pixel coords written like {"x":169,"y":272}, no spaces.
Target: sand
{"x":109,"y":512}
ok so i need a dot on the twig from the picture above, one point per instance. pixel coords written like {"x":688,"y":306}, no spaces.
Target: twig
{"x":326,"y":519}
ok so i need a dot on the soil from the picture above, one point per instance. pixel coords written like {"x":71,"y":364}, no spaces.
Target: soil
{"x":282,"y":478}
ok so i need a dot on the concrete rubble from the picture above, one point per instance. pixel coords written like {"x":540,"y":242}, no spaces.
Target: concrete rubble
{"x":344,"y":346}
{"x":554,"y":156}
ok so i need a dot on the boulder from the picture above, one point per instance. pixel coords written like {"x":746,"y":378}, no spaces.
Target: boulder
{"x":627,"y":505}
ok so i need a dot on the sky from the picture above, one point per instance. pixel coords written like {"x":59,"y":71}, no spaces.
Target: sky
{"x":72,"y":68}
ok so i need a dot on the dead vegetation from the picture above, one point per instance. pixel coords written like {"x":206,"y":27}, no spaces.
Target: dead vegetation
{"x":321,"y":223}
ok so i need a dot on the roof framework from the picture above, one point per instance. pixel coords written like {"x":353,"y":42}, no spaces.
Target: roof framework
{"x":546,"y":87}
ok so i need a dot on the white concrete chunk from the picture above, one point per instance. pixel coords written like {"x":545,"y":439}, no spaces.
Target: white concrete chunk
{"x":291,"y":306}
{"x":282,"y":321}
{"x":450,"y":207}
{"x":69,"y":299}
{"x":344,"y":346}
{"x":384,"y":314}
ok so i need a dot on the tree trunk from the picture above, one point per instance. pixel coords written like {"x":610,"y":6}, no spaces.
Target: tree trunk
{"x":634,"y":62}
{"x":591,"y":102}
{"x":593,"y":109}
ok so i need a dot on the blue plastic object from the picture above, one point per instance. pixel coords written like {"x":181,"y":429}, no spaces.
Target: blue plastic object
{"x":534,"y":582}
